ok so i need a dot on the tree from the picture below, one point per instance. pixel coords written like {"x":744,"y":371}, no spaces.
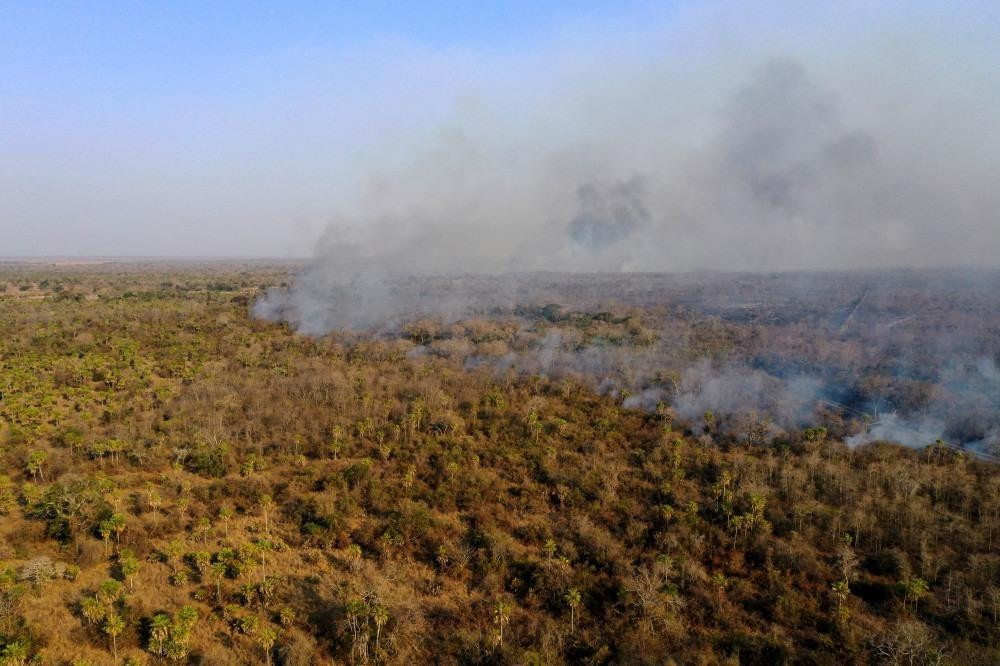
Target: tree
{"x":172,"y":635}
{"x":908,"y":642}
{"x":113,"y":627}
{"x":709,"y":419}
{"x":720,"y":582}
{"x":354,"y":609}
{"x":39,"y":570}
{"x":914,"y":589}
{"x":265,"y":590}
{"x":847,"y":561}
{"x":201,"y":560}
{"x":105,"y":530}
{"x":286,"y":616}
{"x":172,"y":552}
{"x":266,"y":501}
{"x":263,"y":546}
{"x":36,"y":464}
{"x":354,"y":556}
{"x":177,"y":648}
{"x":203,"y":528}
{"x":218,"y":573}
{"x":153,"y":499}
{"x":572,"y":599}
{"x":501,"y":617}
{"x":129,"y":565}
{"x":8,"y":499}
{"x":442,"y":558}
{"x":92,"y":609}
{"x":380,"y":615}
{"x":248,"y":624}
{"x":159,"y":633}
{"x":185,"y":618}
{"x":755,"y":517}
{"x":117,"y":526}
{"x":266,"y":636}
{"x":225,"y":515}
{"x":109,"y":591}
{"x":840,"y":591}
{"x":113,"y":524}
{"x":816,"y":436}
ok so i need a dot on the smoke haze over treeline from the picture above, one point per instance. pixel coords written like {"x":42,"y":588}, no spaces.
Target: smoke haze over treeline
{"x":732,"y":136}
{"x":736,"y":137}
{"x":908,"y":356}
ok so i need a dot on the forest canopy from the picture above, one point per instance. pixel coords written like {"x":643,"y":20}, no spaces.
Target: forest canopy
{"x":565,"y":477}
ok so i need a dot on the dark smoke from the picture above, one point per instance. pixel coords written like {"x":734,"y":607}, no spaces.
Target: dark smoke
{"x":608,"y":213}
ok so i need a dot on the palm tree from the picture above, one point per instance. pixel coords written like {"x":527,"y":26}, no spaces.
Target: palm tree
{"x":93,"y":609}
{"x":105,"y":529}
{"x":266,"y":637}
{"x":113,"y":627}
{"x":109,"y":591}
{"x":172,"y":551}
{"x":203,"y":528}
{"x":185,"y":618}
{"x":501,"y":617}
{"x":36,"y":464}
{"x":15,"y":654}
{"x":572,"y":600}
{"x":914,"y":589}
{"x":225,"y":514}
{"x":116,"y":525}
{"x":200,"y":559}
{"x":380,"y":615}
{"x":286,"y":616}
{"x":263,"y":546}
{"x":159,"y":632}
{"x":218,"y":573}
{"x":129,"y":566}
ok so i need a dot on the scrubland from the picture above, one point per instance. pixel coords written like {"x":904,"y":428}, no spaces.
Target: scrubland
{"x":183,"y":483}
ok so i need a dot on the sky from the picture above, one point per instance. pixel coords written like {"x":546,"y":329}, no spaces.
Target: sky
{"x":511,"y":133}
{"x":223,"y":128}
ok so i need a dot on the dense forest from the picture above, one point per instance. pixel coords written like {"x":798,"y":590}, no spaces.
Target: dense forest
{"x":181,"y":482}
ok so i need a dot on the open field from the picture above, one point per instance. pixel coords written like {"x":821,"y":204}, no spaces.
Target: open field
{"x":523,"y":469}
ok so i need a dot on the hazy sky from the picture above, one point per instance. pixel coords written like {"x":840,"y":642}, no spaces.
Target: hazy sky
{"x":255,"y":129}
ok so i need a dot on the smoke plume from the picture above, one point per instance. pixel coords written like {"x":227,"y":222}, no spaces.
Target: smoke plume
{"x":834,"y":144}
{"x":656,"y":160}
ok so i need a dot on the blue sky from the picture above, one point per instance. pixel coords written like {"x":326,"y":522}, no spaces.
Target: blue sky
{"x":95,"y":95}
{"x":55,"y":53}
{"x":254,"y":128}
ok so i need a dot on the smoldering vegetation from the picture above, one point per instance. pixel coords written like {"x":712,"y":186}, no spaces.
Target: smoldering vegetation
{"x":584,"y":251}
{"x":906,"y":356}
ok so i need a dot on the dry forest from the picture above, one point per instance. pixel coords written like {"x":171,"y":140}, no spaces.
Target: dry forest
{"x":610,"y":470}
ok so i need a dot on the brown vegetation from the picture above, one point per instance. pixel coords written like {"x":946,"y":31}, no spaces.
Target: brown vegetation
{"x":185,"y":483}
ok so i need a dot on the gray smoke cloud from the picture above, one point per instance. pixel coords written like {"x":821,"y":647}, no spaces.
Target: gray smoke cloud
{"x":787,"y":171}
{"x":607,"y":214}
{"x":859,"y":138}
{"x":741,"y":391}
